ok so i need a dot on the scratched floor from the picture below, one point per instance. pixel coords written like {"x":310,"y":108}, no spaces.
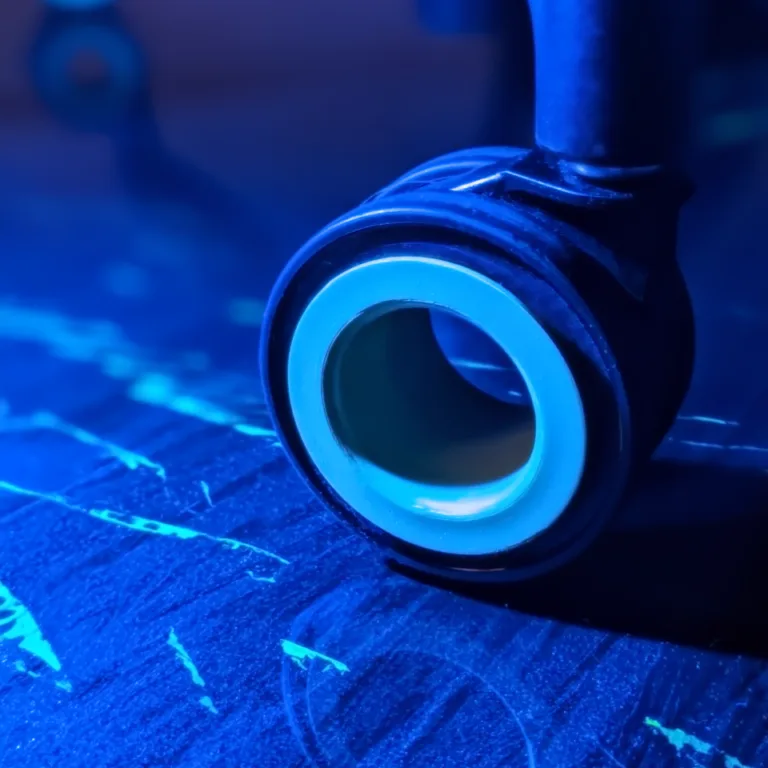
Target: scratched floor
{"x":170,"y":594}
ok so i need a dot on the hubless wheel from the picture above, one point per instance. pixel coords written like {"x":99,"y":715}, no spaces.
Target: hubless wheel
{"x":566,"y":287}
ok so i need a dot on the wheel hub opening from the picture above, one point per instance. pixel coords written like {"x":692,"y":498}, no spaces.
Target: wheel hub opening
{"x":396,"y":402}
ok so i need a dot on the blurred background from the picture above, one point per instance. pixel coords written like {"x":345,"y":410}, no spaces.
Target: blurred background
{"x":168,"y":153}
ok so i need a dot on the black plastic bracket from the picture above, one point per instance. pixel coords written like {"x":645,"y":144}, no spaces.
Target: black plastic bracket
{"x":627,"y":223}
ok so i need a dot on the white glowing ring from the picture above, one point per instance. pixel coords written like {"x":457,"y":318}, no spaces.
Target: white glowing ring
{"x":509,"y":511}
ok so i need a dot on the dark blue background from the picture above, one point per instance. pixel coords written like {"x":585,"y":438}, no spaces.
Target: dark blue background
{"x":131,"y":217}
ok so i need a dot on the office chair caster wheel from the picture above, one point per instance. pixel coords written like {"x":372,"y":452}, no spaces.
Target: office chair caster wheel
{"x":379,"y":331}
{"x":86,"y":67}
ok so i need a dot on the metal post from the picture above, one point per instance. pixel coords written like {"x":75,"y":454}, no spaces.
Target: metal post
{"x":610,"y":78}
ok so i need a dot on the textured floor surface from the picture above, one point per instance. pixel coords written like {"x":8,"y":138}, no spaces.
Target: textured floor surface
{"x":170,"y":594}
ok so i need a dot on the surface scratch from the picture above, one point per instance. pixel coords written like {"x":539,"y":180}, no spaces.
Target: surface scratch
{"x":103,"y":343}
{"x":142,"y":524}
{"x":206,"y":492}
{"x":189,"y":665}
{"x":162,"y":391}
{"x":722,"y":447}
{"x":710,"y":420}
{"x":43,"y":420}
{"x":17,"y":624}
{"x":299,"y":654}
{"x":681,"y":740}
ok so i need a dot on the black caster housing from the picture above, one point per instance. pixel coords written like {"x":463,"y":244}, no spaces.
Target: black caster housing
{"x":470,"y":366}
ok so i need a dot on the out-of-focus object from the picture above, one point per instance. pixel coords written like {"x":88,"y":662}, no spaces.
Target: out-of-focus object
{"x":87,"y":67}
